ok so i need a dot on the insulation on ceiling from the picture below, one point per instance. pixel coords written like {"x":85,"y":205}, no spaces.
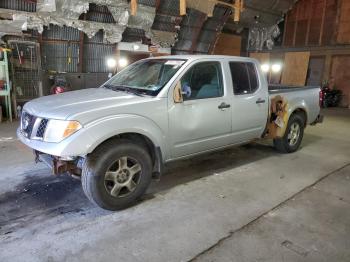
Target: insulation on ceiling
{"x":67,"y":13}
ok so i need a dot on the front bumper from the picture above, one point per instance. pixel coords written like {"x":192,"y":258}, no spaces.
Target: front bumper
{"x":59,"y":166}
{"x":74,"y":145}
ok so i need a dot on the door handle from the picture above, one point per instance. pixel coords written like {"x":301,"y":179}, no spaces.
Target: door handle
{"x":223,"y":105}
{"x":260,"y":101}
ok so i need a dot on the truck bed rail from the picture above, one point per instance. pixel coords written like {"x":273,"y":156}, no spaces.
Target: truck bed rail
{"x":273,"y":88}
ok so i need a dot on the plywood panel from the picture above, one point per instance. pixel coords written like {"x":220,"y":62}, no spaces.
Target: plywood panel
{"x":228,"y":45}
{"x":295,"y":68}
{"x":341,"y":74}
{"x":263,"y":58}
{"x":344,"y":23}
{"x":276,"y":58}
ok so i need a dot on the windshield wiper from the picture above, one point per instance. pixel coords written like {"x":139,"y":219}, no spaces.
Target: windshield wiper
{"x":124,"y":89}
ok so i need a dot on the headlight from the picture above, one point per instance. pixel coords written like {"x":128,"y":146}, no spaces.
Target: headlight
{"x":57,"y":130}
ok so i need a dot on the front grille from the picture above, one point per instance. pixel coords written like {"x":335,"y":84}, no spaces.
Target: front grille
{"x":27,"y":123}
{"x":42,"y":127}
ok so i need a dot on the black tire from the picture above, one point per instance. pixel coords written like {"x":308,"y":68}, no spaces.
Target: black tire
{"x":284,"y":144}
{"x":94,"y":176}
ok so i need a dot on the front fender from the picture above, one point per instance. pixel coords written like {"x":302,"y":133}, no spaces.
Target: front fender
{"x":94,"y":133}
{"x":107,"y":127}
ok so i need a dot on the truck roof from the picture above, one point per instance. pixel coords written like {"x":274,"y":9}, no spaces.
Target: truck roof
{"x":198,"y":57}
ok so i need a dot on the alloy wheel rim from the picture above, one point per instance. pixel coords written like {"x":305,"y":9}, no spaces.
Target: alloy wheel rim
{"x":294,"y":133}
{"x":122,"y":177}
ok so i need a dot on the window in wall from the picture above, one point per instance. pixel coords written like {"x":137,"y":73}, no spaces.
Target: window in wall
{"x":203,"y":80}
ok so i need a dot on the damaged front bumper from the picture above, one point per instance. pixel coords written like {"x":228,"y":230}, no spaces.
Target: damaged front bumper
{"x":60,"y":165}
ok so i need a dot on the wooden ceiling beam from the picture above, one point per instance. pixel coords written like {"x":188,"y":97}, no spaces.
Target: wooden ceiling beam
{"x":133,"y":7}
{"x":183,"y":7}
{"x":237,"y":8}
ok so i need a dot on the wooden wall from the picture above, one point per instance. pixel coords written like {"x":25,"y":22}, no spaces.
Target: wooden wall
{"x":343,"y":36}
{"x":316,"y":23}
{"x":228,"y":45}
{"x":341,"y":74}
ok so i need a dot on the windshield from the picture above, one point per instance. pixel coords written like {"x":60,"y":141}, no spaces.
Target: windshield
{"x":146,"y":76}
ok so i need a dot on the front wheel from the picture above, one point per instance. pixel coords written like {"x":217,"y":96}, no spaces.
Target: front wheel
{"x":116,"y":174}
{"x":293,"y":136}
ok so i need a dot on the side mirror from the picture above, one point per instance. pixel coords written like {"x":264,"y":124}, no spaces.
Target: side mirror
{"x":186,"y":90}
{"x":178,"y":93}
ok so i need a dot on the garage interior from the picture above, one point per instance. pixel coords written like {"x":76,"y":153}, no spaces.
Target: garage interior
{"x":246,"y":203}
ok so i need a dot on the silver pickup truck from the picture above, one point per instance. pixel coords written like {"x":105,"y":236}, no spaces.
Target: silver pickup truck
{"x":119,"y":136}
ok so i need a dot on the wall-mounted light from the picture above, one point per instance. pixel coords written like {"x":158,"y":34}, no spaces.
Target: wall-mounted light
{"x":111,"y":62}
{"x":123,"y":62}
{"x":136,"y":47}
{"x":265,"y":68}
{"x":276,"y":68}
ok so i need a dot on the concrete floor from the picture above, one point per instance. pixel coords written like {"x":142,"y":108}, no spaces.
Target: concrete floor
{"x":244,"y":204}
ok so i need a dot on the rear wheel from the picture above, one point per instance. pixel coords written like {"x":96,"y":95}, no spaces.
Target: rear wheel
{"x":293,"y":136}
{"x":116,"y":174}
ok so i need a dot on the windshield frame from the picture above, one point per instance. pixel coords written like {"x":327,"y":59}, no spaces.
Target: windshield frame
{"x":144,"y":91}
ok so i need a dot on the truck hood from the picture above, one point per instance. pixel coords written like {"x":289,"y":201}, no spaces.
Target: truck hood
{"x":70,"y":104}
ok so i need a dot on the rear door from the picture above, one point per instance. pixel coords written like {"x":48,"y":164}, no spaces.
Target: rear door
{"x":249,"y":103}
{"x":203,"y":121}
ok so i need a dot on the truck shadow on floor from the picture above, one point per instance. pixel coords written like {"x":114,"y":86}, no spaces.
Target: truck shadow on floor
{"x":41,"y":196}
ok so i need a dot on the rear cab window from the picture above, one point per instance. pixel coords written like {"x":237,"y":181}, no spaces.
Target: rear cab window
{"x":244,"y":78}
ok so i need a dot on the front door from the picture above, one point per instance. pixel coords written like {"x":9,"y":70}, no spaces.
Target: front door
{"x":203,"y":121}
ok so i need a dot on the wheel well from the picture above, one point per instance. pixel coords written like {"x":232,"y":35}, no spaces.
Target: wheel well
{"x":302,"y":112}
{"x":136,"y":138}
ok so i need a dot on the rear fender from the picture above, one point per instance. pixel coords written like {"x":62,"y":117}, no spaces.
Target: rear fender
{"x":286,"y":109}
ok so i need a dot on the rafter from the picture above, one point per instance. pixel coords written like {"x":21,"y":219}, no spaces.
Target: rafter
{"x":133,"y":7}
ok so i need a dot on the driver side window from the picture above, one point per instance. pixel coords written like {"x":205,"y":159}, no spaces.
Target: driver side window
{"x":203,"y":80}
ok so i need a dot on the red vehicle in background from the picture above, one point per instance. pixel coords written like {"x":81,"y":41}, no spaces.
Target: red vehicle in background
{"x":60,"y":85}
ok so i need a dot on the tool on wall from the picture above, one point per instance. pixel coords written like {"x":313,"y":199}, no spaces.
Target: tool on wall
{"x":20,"y":55}
{"x":69,"y":54}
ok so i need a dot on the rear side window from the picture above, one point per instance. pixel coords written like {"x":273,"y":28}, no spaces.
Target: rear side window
{"x":244,"y":78}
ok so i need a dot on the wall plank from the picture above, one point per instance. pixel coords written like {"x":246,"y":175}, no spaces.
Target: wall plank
{"x":330,"y":22}
{"x":304,"y":11}
{"x":290,"y":27}
{"x":263,"y":58}
{"x":228,"y":45}
{"x":341,"y":74}
{"x":316,"y":22}
{"x":344,"y":23}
